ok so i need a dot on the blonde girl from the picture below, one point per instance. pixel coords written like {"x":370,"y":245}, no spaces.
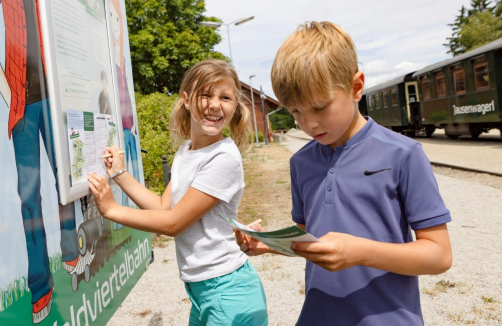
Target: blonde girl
{"x":207,"y":180}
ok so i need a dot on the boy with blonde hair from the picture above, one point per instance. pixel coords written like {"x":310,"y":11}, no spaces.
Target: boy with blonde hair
{"x":359,"y":187}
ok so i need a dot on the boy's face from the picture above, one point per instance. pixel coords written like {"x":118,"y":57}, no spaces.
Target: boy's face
{"x":330,"y":122}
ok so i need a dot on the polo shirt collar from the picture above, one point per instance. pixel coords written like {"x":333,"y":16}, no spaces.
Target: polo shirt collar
{"x":367,"y":130}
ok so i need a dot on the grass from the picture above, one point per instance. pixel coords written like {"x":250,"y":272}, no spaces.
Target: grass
{"x":161,"y":241}
{"x":10,"y":293}
{"x":144,"y":313}
{"x":55,"y":262}
{"x":441,"y":286}
{"x":13,"y":291}
{"x":487,"y":299}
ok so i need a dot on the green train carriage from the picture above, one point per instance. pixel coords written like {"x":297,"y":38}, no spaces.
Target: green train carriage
{"x":463,"y":94}
{"x":395,"y":104}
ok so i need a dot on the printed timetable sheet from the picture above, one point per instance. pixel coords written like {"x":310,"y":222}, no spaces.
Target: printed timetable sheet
{"x":88,"y":136}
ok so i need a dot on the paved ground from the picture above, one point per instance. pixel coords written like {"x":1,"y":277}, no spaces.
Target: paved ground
{"x":470,"y":293}
{"x":484,"y":153}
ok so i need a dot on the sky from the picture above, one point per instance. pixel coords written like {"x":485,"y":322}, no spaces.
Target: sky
{"x":392,"y":37}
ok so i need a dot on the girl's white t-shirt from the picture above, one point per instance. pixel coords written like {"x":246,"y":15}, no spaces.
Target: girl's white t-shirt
{"x":207,"y":248}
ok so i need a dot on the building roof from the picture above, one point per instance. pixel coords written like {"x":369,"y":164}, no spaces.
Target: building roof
{"x":389,"y":83}
{"x":257,"y":92}
{"x":497,"y":44}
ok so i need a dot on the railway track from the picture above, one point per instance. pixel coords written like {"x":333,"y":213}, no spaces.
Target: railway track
{"x":461,"y":168}
{"x":433,"y":163}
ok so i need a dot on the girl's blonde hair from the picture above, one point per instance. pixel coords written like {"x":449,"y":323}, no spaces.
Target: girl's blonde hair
{"x":203,"y":75}
{"x":312,"y":60}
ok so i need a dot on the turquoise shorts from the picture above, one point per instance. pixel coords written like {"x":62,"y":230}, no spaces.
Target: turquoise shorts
{"x":233,"y":299}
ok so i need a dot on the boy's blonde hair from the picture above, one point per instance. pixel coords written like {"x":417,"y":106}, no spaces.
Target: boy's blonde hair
{"x":200,"y":76}
{"x":312,"y":60}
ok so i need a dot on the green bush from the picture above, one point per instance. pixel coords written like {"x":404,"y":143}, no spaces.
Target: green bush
{"x":252,"y":137}
{"x":154,"y":111}
{"x":282,"y":120}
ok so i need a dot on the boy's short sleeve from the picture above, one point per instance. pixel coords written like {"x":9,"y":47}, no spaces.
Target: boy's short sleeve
{"x":297,"y":211}
{"x":221,"y":177}
{"x":418,"y":189}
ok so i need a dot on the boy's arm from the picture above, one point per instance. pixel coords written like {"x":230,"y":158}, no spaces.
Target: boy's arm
{"x":429,"y":254}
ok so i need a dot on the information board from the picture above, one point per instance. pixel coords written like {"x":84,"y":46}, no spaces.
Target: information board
{"x":78,"y":52}
{"x":61,"y":87}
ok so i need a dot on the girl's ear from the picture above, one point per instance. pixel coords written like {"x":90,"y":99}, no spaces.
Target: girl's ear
{"x":186,"y":101}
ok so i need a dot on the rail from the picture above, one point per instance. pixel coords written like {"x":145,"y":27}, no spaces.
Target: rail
{"x":457,"y":167}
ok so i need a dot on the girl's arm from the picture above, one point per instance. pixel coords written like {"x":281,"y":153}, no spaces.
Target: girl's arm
{"x":429,"y":254}
{"x":190,"y":208}
{"x":140,"y":195}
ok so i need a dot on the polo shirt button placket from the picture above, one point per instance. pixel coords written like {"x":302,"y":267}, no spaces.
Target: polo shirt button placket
{"x":329,"y":188}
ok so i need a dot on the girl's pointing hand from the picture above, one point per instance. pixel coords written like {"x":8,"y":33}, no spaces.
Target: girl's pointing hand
{"x":102,"y":193}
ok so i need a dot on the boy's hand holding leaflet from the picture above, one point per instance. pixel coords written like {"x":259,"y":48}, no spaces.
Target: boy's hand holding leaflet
{"x":278,"y":240}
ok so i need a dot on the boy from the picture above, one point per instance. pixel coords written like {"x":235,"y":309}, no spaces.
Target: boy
{"x":359,"y":188}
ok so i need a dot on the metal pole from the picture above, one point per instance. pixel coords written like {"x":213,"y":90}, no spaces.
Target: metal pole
{"x":229,"y":46}
{"x":270,"y":113}
{"x":265,"y":131}
{"x":167,"y":170}
{"x":254,"y":113}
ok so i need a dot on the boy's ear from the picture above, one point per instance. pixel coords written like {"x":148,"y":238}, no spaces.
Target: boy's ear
{"x":357,"y":86}
{"x":186,"y":101}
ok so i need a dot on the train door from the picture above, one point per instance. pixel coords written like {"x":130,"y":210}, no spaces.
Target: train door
{"x":412,"y":103}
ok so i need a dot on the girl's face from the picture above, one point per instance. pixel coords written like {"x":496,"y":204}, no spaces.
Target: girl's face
{"x":217,"y":105}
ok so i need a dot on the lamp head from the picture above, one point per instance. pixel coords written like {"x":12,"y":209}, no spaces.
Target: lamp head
{"x":243,"y":20}
{"x":210,"y":24}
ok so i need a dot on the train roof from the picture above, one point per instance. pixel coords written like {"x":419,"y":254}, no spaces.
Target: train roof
{"x":386,"y":84}
{"x":482,"y":49}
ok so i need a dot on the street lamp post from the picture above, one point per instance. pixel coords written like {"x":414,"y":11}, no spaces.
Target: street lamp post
{"x":254,"y":113}
{"x":270,"y":113}
{"x":265,"y":131}
{"x":217,"y":25}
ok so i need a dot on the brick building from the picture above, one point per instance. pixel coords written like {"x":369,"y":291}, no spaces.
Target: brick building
{"x":270,"y":105}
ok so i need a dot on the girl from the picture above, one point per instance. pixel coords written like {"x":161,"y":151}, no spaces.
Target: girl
{"x":207,"y":180}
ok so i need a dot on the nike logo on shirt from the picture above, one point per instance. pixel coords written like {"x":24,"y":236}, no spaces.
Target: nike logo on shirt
{"x":366,"y":172}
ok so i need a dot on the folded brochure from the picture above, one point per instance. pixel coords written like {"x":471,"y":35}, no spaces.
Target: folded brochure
{"x":279,"y":240}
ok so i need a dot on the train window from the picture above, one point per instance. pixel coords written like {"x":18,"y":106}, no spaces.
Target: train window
{"x":385,"y":98}
{"x":459,"y":82}
{"x":440,"y":85}
{"x":481,"y":76}
{"x":393,"y":96}
{"x":377,"y":101}
{"x":426,"y":89}
{"x":372,"y":102}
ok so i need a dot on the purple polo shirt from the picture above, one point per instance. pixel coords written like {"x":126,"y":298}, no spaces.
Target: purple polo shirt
{"x":379,"y":185}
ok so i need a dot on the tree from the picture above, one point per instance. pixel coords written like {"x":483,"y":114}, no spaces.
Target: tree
{"x":165,"y":40}
{"x":282,"y":120}
{"x":475,"y":27}
{"x":482,"y":28}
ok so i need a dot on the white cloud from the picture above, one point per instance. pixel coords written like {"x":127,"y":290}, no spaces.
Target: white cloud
{"x":392,"y":37}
